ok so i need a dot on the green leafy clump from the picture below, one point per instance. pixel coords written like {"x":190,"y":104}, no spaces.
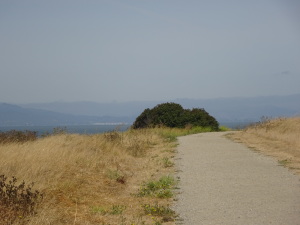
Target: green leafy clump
{"x":174,"y":115}
{"x":159,"y":189}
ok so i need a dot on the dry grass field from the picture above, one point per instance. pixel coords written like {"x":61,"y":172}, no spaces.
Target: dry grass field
{"x":111,"y":178}
{"x":279,"y":138}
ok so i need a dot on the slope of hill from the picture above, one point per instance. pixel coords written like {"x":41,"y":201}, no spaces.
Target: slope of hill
{"x":13,"y":115}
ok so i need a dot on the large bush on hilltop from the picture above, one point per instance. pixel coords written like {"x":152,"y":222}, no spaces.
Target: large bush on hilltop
{"x":173,"y":115}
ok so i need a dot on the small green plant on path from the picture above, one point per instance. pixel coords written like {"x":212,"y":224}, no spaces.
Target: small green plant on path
{"x":284,"y":162}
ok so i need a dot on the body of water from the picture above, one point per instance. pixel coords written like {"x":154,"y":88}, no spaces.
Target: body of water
{"x":78,"y":129}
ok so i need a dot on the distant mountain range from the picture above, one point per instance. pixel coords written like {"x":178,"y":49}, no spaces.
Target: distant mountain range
{"x":13,"y":115}
{"x":225,"y":110}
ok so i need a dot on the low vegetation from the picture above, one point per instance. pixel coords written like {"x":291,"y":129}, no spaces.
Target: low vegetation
{"x":161,"y":188}
{"x":17,"y":200}
{"x":111,"y":178}
{"x":165,"y":212}
{"x":17,"y":136}
{"x":279,"y":138}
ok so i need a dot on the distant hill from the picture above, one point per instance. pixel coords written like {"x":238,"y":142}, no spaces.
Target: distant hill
{"x":223,"y":109}
{"x":13,"y":115}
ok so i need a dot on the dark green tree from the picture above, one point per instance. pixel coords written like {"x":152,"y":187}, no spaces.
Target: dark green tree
{"x":173,"y":115}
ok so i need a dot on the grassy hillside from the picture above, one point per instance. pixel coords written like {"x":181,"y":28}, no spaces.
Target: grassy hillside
{"x":96,"y":179}
{"x":279,"y":138}
{"x":111,"y":178}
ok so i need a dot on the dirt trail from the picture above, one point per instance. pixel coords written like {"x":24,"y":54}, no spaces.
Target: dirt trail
{"x":223,"y":182}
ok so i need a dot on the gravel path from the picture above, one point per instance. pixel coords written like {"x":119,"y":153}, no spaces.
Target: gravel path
{"x":223,"y":182}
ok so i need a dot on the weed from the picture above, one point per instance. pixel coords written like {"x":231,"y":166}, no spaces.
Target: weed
{"x":164,"y":193}
{"x":117,"y":209}
{"x":160,"y":188}
{"x":99,"y":209}
{"x":156,"y":222}
{"x":133,"y":221}
{"x":284,"y":162}
{"x":117,"y":176}
{"x":167,"y":162}
{"x":17,"y":201}
{"x":158,"y":210}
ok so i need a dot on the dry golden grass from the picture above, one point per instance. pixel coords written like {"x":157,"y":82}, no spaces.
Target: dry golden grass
{"x":279,"y":138}
{"x":89,"y":179}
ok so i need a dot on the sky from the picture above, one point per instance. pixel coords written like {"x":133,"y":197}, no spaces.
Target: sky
{"x":142,"y":50}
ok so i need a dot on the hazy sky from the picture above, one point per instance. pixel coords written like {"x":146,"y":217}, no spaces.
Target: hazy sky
{"x":127,"y":50}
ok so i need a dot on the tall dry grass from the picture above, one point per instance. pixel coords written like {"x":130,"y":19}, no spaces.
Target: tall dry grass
{"x":278,"y":137}
{"x":89,"y":179}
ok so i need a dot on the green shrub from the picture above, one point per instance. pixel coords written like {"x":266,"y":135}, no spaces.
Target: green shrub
{"x":173,"y":115}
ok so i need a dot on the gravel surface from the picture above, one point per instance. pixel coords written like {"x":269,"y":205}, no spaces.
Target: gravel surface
{"x":223,"y":182}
